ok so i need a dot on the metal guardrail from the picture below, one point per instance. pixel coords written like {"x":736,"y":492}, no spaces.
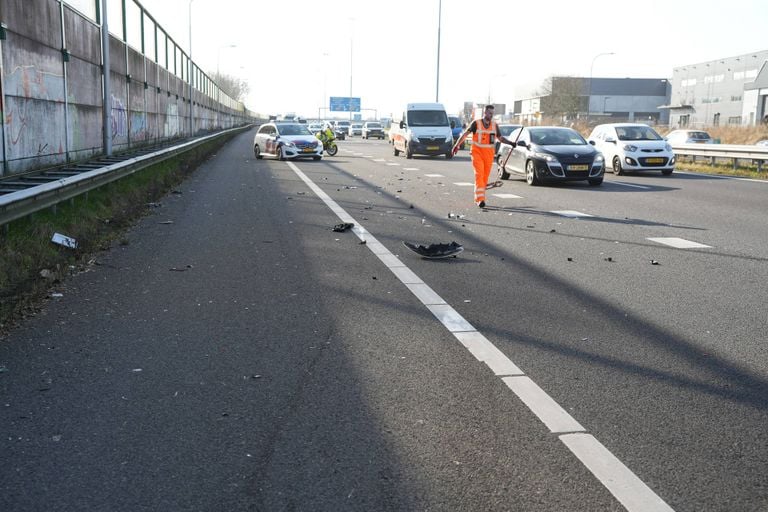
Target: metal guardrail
{"x":16,"y":205}
{"x":734,"y":152}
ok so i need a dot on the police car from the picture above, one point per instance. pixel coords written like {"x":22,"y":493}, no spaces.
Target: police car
{"x":286,"y":141}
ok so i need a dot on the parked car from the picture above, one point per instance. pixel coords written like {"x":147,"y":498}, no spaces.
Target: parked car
{"x":373,"y":129}
{"x":633,"y":147}
{"x":506,"y":130}
{"x":689,"y":137}
{"x":315,"y":127}
{"x":551,"y":153}
{"x":286,"y":140}
{"x":762,"y":143}
{"x":341,"y":128}
{"x":355,"y":129}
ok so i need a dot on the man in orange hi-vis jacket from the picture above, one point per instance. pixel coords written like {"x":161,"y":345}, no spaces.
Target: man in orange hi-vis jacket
{"x":485,"y":132}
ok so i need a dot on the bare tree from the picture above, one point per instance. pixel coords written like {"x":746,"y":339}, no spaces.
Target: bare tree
{"x":235,"y":88}
{"x":563,"y":96}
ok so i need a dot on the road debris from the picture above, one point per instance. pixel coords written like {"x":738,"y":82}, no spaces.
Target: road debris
{"x":64,"y":241}
{"x":441,"y":250}
{"x":340,"y":228}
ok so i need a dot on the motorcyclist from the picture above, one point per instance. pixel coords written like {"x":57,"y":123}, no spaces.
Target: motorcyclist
{"x":326,"y":135}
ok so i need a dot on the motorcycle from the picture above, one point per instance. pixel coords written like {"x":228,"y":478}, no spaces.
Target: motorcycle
{"x":329,"y":143}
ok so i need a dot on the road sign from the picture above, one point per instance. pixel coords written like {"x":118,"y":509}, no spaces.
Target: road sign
{"x":345,"y":104}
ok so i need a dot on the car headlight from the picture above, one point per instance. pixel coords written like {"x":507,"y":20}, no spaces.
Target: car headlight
{"x":289,"y":144}
{"x":546,"y":157}
{"x":630,"y":148}
{"x":415,"y":138}
{"x":599,"y":159}
{"x":449,"y":139}
{"x":668,"y":147}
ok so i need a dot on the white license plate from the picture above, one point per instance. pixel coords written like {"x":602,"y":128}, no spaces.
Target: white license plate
{"x":433,"y":148}
{"x":654,"y":160}
{"x":578,"y":167}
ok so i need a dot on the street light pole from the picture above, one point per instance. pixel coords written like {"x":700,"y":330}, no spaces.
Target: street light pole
{"x":439,"y":21}
{"x":189,"y":76}
{"x":589,"y":96}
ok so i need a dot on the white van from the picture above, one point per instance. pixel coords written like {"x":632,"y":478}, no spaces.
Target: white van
{"x":423,"y":129}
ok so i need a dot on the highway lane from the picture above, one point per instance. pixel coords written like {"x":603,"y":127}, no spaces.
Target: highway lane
{"x":288,"y":367}
{"x":686,"y":335}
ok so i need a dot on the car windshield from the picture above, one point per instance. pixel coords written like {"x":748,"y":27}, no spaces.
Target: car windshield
{"x":556,"y":137}
{"x":637,"y":133}
{"x":427,"y":118}
{"x":698,"y":135}
{"x":357,"y":126}
{"x":374,"y":125}
{"x":506,"y":129}
{"x":293,"y":129}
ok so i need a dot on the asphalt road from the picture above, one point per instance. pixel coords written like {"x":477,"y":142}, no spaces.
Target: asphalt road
{"x":243,"y":356}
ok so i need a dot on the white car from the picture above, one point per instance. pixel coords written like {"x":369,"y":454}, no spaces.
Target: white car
{"x":355,"y":129}
{"x":689,"y":137}
{"x":633,"y":147}
{"x":286,"y":140}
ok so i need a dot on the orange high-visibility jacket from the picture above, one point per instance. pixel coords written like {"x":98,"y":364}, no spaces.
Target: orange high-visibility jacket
{"x":484,"y":139}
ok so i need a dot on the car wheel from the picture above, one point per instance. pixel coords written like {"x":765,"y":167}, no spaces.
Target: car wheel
{"x":257,"y":152}
{"x":596,"y":181}
{"x":503,"y":174}
{"x":279,"y":154}
{"x":530,"y":173}
{"x":408,"y":151}
{"x":617,"y":169}
{"x":666,"y":172}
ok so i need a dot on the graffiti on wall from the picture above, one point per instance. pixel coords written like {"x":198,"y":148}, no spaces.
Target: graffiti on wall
{"x":119,"y":118}
{"x":171,"y":126}
{"x":28,"y":83}
{"x":138,"y":126}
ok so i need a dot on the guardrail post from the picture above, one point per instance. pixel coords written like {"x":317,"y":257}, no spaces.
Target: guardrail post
{"x":735,"y":163}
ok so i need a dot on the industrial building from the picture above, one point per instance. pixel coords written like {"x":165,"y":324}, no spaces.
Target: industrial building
{"x":597,"y":99}
{"x":732,"y":90}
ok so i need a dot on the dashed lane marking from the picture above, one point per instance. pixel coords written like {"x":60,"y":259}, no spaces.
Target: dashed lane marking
{"x":679,"y":243}
{"x":507,"y":196}
{"x":571,"y":214}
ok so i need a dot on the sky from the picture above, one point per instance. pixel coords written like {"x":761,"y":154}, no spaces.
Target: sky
{"x":296,"y":55}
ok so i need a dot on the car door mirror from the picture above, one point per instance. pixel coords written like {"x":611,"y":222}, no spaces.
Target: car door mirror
{"x":611,"y":140}
{"x":592,"y":142}
{"x":402,"y":124}
{"x":522,"y":144}
{"x":453,"y":125}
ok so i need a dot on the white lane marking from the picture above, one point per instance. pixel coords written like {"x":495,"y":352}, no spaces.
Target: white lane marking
{"x":717,"y":177}
{"x":557,"y":420}
{"x":434,"y":176}
{"x":537,"y":399}
{"x":571,"y":214}
{"x":628,"y":185}
{"x":464,"y":184}
{"x":679,"y":243}
{"x":626,"y":486}
{"x":425,"y":294}
{"x":450,"y":318}
{"x":507,"y":196}
{"x":486,"y":352}
{"x":379,"y":160}
{"x":392,"y":163}
{"x":367,"y":156}
{"x":413,"y":169}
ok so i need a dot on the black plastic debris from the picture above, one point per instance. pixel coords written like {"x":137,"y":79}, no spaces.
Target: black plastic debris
{"x":654,"y":262}
{"x":442,"y":250}
{"x":340,"y":228}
